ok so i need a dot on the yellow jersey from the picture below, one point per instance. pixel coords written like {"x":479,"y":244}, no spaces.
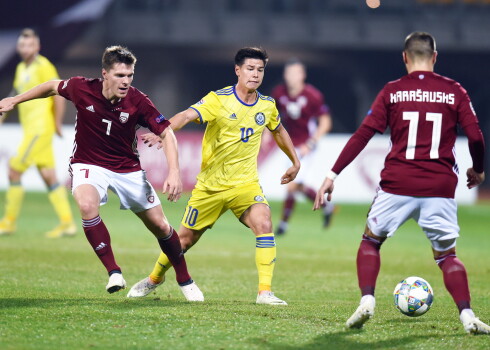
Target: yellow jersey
{"x":232,"y":138}
{"x":36,"y":116}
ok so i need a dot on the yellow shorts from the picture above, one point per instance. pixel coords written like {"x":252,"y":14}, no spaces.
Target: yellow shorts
{"x":34,"y":150}
{"x":205,"y":207}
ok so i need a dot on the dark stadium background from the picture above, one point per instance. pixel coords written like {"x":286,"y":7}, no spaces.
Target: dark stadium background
{"x":185,"y":48}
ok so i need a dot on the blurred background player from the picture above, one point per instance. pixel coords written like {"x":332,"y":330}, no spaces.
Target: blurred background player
{"x":40,"y":119}
{"x":109,"y":110}
{"x":236,"y":117}
{"x":419,"y":178}
{"x":307,"y":119}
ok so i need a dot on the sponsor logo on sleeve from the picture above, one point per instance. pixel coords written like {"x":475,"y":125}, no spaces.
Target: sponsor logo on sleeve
{"x":160,"y":119}
{"x":258,"y":198}
{"x":201,"y":102}
{"x":123,"y":117}
{"x":260,"y":118}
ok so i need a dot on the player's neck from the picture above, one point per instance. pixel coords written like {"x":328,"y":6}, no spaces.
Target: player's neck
{"x":29,"y":60}
{"x":420,"y":67}
{"x":294,"y":91}
{"x":106,"y":92}
{"x":245,"y":95}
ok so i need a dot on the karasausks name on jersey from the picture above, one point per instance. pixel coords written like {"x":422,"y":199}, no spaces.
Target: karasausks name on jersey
{"x":421,"y":96}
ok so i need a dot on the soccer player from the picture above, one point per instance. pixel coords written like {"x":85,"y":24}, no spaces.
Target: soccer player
{"x":422,"y":110}
{"x":307,"y":118}
{"x":236,"y":116}
{"x":39,"y":119}
{"x":109,"y":110}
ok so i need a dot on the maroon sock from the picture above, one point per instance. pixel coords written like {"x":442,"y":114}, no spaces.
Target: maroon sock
{"x":368,"y":264}
{"x":288,"y":207}
{"x":173,"y":250}
{"x":455,"y":280}
{"x":100,"y":240}
{"x":311,"y":194}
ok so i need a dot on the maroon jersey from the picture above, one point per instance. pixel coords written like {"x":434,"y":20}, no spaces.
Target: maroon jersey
{"x":299,"y":114}
{"x":422,"y":110}
{"x":105,"y":133}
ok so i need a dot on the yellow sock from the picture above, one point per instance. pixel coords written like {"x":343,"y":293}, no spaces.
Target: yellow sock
{"x":59,"y":199}
{"x":161,"y":266}
{"x":265,"y":259}
{"x":13,"y":199}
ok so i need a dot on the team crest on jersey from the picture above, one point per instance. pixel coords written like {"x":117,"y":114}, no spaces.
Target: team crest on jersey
{"x":260,"y":118}
{"x":150,"y":197}
{"x":258,"y":198}
{"x":123,"y":117}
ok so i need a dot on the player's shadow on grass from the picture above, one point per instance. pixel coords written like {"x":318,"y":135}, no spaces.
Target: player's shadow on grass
{"x":342,"y":340}
{"x":119,"y":303}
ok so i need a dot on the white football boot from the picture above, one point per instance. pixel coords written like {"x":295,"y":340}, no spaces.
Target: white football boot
{"x":116,"y":283}
{"x":269,"y":298}
{"x":192,"y":292}
{"x":472,"y":324}
{"x":143,"y":288}
{"x":363,"y":313}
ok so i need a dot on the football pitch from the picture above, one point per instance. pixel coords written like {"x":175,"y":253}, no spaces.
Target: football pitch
{"x":52,"y":292}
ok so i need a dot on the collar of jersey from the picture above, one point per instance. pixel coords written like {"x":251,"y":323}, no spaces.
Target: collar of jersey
{"x":243,"y":103}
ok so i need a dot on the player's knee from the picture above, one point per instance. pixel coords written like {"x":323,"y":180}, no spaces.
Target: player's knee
{"x":264,"y":226}
{"x":88,"y":209}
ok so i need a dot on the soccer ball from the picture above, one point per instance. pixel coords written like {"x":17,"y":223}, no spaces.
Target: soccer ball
{"x":413,"y":296}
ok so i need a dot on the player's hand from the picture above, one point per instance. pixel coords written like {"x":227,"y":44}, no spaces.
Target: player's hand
{"x":327,"y":187}
{"x":473,"y":178}
{"x":6,"y":105}
{"x":303,"y":150}
{"x":290,"y":174}
{"x":173,"y":185}
{"x":151,"y":140}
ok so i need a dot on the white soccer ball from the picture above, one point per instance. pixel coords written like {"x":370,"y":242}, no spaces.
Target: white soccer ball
{"x":413,"y":296}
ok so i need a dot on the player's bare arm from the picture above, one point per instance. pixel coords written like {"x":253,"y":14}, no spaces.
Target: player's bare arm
{"x":284,"y":142}
{"x":177,"y":122}
{"x":173,"y":183}
{"x":59,"y":113}
{"x":49,"y":88}
{"x":324,"y":127}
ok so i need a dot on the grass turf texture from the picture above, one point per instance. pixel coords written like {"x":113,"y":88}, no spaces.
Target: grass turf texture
{"x":52,"y":292}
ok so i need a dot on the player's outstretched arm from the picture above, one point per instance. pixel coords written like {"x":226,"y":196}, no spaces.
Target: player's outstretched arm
{"x":173,"y":184}
{"x":284,"y":142}
{"x":181,"y":119}
{"x":49,"y":88}
{"x":326,"y":188}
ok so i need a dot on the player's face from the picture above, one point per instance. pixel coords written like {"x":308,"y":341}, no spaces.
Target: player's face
{"x":117,"y":80}
{"x":294,"y":75}
{"x":250,"y":73}
{"x":28,"y":48}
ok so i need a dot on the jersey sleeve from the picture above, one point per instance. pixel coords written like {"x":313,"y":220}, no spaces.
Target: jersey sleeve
{"x":377,"y":116}
{"x":207,"y":107}
{"x":466,"y":112}
{"x":68,"y":88}
{"x":320,"y":107}
{"x":275,"y":119}
{"x":150,"y":117}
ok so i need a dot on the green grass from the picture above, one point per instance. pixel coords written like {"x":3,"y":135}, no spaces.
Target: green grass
{"x":52,"y":292}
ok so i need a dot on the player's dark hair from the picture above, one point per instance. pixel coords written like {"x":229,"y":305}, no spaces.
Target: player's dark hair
{"x":251,"y":52}
{"x":292,"y":61}
{"x":420,"y":45}
{"x":28,"y":33}
{"x":117,"y":54}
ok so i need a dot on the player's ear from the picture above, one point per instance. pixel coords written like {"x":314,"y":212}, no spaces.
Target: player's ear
{"x":404,"y":55}
{"x":237,"y":70}
{"x":104,"y":73}
{"x":434,"y":57}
